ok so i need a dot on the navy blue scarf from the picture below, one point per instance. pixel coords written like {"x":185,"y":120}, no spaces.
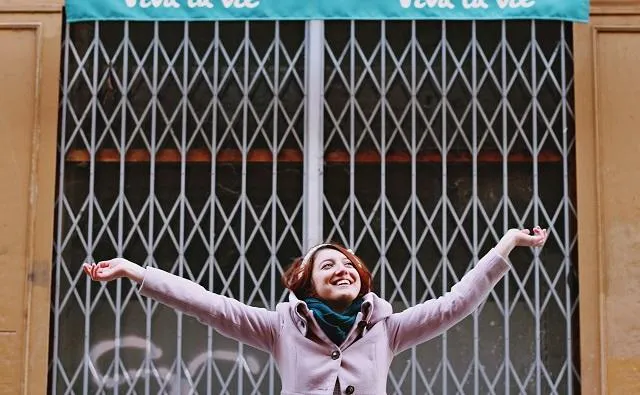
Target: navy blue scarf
{"x":335,"y":325}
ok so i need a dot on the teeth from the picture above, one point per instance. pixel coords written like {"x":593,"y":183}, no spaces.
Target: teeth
{"x":343,"y":282}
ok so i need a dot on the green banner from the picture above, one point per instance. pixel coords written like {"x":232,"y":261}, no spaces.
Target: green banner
{"x":200,"y":10}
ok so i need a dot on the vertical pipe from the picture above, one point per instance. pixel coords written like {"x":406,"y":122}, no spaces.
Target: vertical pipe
{"x":414,"y":194}
{"x":182,"y":196}
{"x":273,"y":260}
{"x":444,"y":144}
{"x":313,"y":146}
{"x":243,"y":193}
{"x":90,"y":197}
{"x":352,"y":127}
{"x":505,"y":202}
{"x":383,"y":143}
{"x":151,"y":198}
{"x":536,"y":205}
{"x":212,"y":198}
{"x":474,"y":186}
{"x":121,"y":196}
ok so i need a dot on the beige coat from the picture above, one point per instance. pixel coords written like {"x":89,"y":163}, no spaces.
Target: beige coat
{"x":308,"y":362}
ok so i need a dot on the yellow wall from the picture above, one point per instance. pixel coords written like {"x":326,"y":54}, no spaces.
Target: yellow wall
{"x":607,"y":58}
{"x":607,"y":87}
{"x":30,"y":43}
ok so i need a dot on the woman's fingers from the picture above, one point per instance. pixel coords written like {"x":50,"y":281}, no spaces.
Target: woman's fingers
{"x":540,"y":236}
{"x":535,"y":237}
{"x":105,"y":270}
{"x":98,"y":271}
{"x":89,"y":269}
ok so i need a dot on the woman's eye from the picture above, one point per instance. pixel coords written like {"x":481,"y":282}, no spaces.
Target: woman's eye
{"x":348,"y":264}
{"x":326,"y":266}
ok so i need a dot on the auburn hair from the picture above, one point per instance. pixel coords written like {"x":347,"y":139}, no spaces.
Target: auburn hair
{"x":297,"y":277}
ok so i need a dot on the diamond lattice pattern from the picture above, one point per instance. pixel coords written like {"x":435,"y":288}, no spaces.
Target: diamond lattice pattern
{"x":440,"y":136}
{"x":181,"y":147}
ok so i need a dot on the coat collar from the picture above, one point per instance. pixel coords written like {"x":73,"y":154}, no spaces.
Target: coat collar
{"x":374,"y":309}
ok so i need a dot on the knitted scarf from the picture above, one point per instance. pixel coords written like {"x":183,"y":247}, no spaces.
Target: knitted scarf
{"x":335,"y":325}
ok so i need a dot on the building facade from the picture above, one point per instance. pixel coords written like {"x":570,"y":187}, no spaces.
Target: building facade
{"x":415,"y":143}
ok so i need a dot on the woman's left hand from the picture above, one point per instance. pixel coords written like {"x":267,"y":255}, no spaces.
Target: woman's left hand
{"x":524,"y":238}
{"x":521,"y":238}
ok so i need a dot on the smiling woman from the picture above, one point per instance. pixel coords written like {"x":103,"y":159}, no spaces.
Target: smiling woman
{"x":334,"y":328}
{"x":313,"y":274}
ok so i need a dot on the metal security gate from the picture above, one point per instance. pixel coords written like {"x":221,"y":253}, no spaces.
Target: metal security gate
{"x":220,"y":151}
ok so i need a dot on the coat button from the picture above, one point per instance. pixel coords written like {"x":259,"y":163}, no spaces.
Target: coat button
{"x":350,"y":389}
{"x":335,"y":354}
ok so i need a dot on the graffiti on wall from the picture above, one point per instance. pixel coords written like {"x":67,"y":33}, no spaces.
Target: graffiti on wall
{"x":113,"y":377}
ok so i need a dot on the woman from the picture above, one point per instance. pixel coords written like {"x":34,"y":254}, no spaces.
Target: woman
{"x":334,"y":335}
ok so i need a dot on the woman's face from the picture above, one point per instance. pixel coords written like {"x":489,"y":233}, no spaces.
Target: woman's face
{"x":335,"y":279}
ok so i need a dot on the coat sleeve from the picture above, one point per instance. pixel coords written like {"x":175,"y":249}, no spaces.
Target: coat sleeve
{"x":427,"y":320}
{"x":253,"y":326}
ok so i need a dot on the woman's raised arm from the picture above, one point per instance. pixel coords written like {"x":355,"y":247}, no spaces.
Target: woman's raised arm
{"x":429,"y":319}
{"x":254,"y":326}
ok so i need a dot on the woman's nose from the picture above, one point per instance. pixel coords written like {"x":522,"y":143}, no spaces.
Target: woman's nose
{"x":341,"y":267}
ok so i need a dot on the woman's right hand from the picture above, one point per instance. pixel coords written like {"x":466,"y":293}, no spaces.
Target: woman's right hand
{"x":113,"y":269}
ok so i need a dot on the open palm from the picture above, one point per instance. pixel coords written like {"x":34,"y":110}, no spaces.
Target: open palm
{"x":524,"y":238}
{"x":107,"y":270}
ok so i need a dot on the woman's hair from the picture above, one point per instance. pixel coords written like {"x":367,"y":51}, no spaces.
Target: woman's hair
{"x":297,"y":277}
